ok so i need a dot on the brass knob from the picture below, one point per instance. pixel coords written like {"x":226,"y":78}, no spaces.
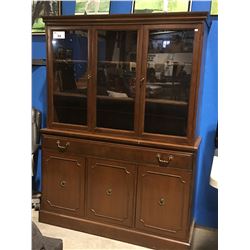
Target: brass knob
{"x":162,"y":202}
{"x":142,"y":81}
{"x":89,"y":76}
{"x":60,"y":147}
{"x":62,"y":183}
{"x":109,"y":191}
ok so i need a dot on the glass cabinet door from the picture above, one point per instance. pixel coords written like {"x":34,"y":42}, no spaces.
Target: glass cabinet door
{"x":168,"y":79}
{"x":116,"y":78}
{"x":70,"y":70}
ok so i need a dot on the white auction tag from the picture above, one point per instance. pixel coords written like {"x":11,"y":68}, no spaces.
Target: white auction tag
{"x":58,"y":34}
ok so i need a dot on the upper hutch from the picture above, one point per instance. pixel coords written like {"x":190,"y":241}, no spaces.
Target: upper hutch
{"x":120,"y":144}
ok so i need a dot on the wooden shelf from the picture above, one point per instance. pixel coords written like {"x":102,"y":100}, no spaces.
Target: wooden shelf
{"x":69,"y":61}
{"x":68,"y":94}
{"x":166,"y":102}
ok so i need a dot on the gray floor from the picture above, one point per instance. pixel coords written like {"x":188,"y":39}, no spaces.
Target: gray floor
{"x":204,"y":239}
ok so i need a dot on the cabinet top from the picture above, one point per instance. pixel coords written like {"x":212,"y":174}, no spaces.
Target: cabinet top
{"x":142,"y":18}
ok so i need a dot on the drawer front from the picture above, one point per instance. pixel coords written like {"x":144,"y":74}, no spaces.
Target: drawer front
{"x":166,"y":159}
{"x":135,"y":154}
{"x":110,"y":191}
{"x":61,"y":144}
{"x":163,"y":201}
{"x":90,"y":148}
{"x":63,"y":183}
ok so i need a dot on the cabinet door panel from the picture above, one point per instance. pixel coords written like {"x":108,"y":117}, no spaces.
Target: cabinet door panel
{"x":116,"y":78}
{"x":63,"y":183}
{"x":168,"y":79}
{"x":163,"y":201}
{"x":69,"y":54}
{"x":110,"y":191}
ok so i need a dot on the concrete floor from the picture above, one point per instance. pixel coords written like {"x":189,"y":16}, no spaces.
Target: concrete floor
{"x":204,"y":239}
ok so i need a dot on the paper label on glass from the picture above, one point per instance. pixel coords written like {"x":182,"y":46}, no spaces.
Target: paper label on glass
{"x":58,"y":34}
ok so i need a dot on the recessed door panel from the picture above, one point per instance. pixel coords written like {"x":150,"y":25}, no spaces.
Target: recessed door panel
{"x":63,"y":183}
{"x":163,"y":201}
{"x":110,"y":191}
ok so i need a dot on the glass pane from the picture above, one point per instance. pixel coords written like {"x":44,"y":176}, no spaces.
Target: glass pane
{"x":70,"y":60}
{"x":116,"y":73}
{"x":92,"y":7}
{"x":169,"y":69}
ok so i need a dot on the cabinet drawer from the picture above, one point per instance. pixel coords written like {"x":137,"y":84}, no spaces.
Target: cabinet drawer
{"x":165,"y":158}
{"x":61,"y":144}
{"x":140,"y":155}
{"x":90,"y":148}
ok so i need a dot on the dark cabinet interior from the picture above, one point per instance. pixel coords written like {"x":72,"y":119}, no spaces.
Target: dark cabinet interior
{"x":119,"y":150}
{"x":115,"y":82}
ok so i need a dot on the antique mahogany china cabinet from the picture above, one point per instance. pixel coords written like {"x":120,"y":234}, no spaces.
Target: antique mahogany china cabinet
{"x":119,"y":149}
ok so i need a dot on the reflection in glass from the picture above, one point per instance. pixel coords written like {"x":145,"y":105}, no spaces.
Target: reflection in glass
{"x":169,"y":69}
{"x":70,"y":57}
{"x":116,"y":73}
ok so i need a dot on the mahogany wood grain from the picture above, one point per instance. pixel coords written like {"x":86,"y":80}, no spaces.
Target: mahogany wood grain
{"x":114,"y":232}
{"x":163,"y":201}
{"x":110,"y":191}
{"x":135,"y":154}
{"x":123,"y":140}
{"x":63,"y":183}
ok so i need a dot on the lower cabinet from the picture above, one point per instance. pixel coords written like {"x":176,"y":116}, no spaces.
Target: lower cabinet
{"x":144,"y":200}
{"x":110,"y":191}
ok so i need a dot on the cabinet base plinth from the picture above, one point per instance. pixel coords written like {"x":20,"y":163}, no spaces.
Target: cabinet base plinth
{"x":128,"y":235}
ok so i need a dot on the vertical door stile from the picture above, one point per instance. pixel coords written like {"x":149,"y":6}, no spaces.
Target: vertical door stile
{"x":138,"y":77}
{"x":142,"y":80}
{"x":49,"y":72}
{"x":194,"y":81}
{"x":91,"y":81}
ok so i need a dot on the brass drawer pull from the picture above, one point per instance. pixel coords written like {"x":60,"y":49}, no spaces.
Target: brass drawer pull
{"x":162,"y":202}
{"x":62,"y":148}
{"x":170,"y":158}
{"x":109,"y":191}
{"x":62,"y":183}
